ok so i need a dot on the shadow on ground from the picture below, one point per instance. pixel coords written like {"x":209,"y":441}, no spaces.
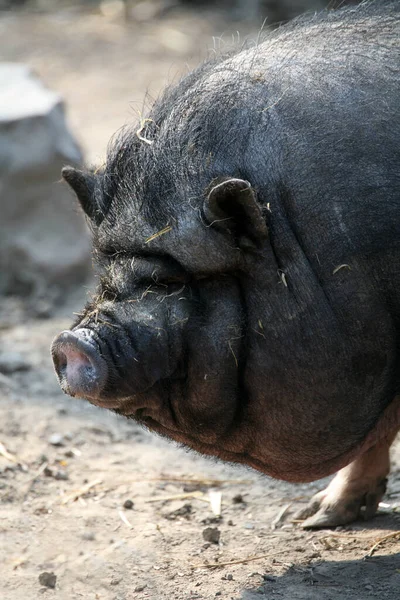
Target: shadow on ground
{"x":375,"y":577}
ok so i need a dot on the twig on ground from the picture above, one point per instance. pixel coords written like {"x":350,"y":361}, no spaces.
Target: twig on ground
{"x":381,"y":540}
{"x":197,"y":495}
{"x":160,"y":531}
{"x":238,"y":561}
{"x":8,"y":456}
{"x":86,"y":488}
{"x":200,"y":481}
{"x":124,"y":519}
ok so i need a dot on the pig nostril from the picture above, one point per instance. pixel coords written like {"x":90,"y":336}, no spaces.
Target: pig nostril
{"x":71,"y":359}
{"x":60,"y":361}
{"x":81,"y":369}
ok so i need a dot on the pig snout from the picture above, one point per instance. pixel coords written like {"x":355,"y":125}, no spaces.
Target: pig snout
{"x":80,"y":368}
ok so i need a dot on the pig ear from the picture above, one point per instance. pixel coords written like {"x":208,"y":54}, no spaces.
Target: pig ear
{"x":83,"y":185}
{"x":232,"y":204}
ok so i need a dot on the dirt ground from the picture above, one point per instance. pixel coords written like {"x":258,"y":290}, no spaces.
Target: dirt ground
{"x":67,"y":469}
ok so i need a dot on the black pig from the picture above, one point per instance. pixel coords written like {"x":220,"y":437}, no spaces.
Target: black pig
{"x":247,"y":235}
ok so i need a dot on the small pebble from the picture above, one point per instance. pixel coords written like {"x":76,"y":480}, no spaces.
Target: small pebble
{"x":61,"y":475}
{"x":248,"y":526}
{"x":56,"y":439}
{"x":139,"y":588}
{"x":128,"y":504}
{"x":211,"y":534}
{"x":238,"y":499}
{"x":42,"y":510}
{"x":211,"y":520}
{"x":230,"y":522}
{"x":48,"y":579}
{"x":89,"y":536}
{"x":191,"y":487}
{"x":183,"y":511}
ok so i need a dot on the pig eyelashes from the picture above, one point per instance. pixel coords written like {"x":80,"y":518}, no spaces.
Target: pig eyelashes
{"x":147,"y":269}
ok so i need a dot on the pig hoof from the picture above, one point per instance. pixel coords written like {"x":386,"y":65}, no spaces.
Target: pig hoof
{"x":330,"y":509}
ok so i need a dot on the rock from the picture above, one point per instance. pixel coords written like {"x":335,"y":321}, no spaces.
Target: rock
{"x":267,"y":577}
{"x":56,"y":439}
{"x":238,"y":499}
{"x":191,"y":487}
{"x":43,"y":237}
{"x":128,"y":504}
{"x":42,"y":510}
{"x":59,"y":474}
{"x":48,"y":579}
{"x":10,"y":362}
{"x":211,"y":520}
{"x":182,"y":511}
{"x":212,"y":534}
{"x":72,"y":453}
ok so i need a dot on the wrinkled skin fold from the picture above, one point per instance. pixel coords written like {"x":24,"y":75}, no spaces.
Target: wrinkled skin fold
{"x":247,"y":244}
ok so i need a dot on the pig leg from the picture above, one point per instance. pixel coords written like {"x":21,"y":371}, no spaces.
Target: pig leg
{"x":355,"y":491}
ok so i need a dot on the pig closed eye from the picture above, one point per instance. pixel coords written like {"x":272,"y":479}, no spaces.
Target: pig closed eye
{"x":184,"y":279}
{"x":167,"y":281}
{"x":110,"y":254}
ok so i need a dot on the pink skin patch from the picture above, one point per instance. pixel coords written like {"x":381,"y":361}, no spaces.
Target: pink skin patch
{"x":79,"y":372}
{"x":80,"y":367}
